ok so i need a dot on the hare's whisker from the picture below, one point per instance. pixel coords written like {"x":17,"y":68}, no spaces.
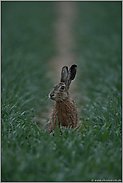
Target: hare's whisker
{"x":47,"y":100}
{"x":44,"y":100}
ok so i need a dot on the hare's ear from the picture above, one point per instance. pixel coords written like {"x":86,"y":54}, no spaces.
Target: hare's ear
{"x":72,"y":73}
{"x":64,"y":74}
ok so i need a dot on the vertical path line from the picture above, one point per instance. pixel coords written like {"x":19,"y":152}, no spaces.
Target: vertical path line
{"x":63,"y":38}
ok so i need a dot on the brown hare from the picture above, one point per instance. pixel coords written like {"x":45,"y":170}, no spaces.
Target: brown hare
{"x":65,"y":110}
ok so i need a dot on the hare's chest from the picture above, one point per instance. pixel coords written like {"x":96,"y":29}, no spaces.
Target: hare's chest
{"x":64,"y":115}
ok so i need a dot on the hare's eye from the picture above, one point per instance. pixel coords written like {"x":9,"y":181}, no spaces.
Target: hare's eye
{"x":62,"y":87}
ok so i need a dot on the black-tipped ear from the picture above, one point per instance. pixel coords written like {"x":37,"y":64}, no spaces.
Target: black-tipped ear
{"x":64,"y":74}
{"x":72,"y":72}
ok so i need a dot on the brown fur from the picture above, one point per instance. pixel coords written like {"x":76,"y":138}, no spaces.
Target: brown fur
{"x":66,"y":113}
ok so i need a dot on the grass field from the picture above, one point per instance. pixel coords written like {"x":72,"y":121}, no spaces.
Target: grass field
{"x":29,"y":154}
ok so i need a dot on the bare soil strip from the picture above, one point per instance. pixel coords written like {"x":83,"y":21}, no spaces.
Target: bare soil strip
{"x":64,"y":41}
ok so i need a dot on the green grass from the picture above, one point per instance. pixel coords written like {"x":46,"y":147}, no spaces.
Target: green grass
{"x":98,"y":45}
{"x":28,"y":154}
{"x":27,"y":45}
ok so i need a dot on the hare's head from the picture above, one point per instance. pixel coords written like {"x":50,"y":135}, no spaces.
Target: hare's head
{"x":60,"y":90}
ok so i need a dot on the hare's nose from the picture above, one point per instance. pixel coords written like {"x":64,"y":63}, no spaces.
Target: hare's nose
{"x":51,"y":96}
